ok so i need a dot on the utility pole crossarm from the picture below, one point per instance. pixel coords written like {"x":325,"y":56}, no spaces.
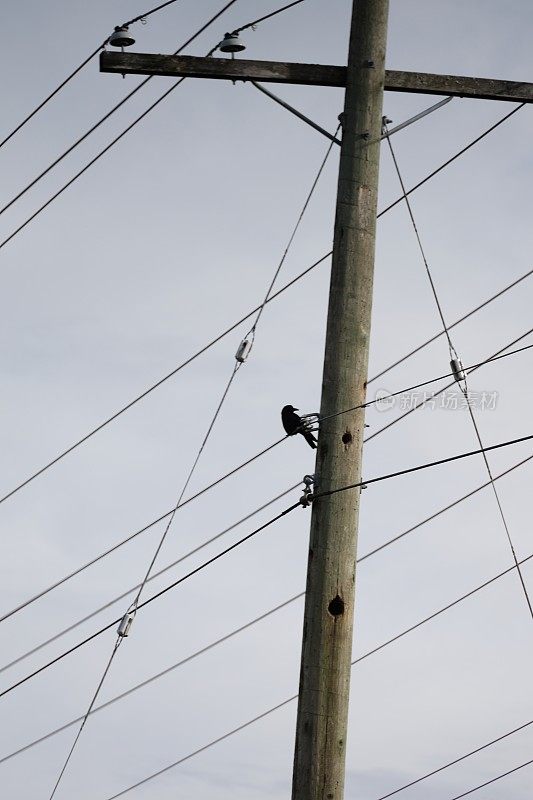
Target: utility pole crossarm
{"x":310,"y":75}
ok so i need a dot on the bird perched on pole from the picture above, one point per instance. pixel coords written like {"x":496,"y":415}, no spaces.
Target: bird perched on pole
{"x":293,"y":424}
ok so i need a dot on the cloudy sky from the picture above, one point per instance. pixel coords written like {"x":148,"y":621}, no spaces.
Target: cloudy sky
{"x":170,"y":238}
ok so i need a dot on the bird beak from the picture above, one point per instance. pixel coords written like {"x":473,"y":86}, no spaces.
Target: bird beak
{"x":296,"y":409}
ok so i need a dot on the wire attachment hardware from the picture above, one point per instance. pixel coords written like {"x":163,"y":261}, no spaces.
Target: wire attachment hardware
{"x":243,"y":351}
{"x":125,"y":624}
{"x":384,"y":122}
{"x":456,"y":366}
{"x":231,"y":43}
{"x":307,"y":497}
{"x":309,"y":421}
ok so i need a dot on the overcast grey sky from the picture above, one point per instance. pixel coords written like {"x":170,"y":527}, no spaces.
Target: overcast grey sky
{"x":166,"y":241}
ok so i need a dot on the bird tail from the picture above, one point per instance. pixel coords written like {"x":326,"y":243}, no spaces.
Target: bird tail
{"x":310,"y":439}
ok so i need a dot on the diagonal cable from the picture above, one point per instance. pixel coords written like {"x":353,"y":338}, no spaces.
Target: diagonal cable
{"x":269,"y":613}
{"x":289,"y":700}
{"x":132,"y":610}
{"x":177,"y":369}
{"x":129,"y":538}
{"x":463,"y":385}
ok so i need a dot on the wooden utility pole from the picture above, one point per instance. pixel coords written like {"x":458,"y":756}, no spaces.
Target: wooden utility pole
{"x":321,"y":727}
{"x":319,"y":761}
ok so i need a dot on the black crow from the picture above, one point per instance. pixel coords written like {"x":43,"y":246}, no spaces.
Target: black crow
{"x":295,"y":424}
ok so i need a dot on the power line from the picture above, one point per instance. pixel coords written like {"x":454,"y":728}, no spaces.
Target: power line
{"x":453,"y":158}
{"x":96,"y":126}
{"x":267,"y":16}
{"x":450,"y":327}
{"x":160,"y":382}
{"x":112,"y":110}
{"x":407,"y":389}
{"x":154,"y":597}
{"x":73,"y":74}
{"x":195,"y":550}
{"x":367,"y":482}
{"x":235,"y":325}
{"x":149,"y":13}
{"x":272,"y":709}
{"x":441,"y":511}
{"x":115,"y":547}
{"x":273,"y":610}
{"x":492,"y":780}
{"x":457,"y":760}
{"x":427,"y":465}
{"x":276,"y":608}
{"x":453,"y":353}
{"x":463,"y":384}
{"x":238,"y":364}
{"x":444,"y":388}
{"x":222,"y":336}
{"x":86,"y":716}
{"x":51,"y":95}
{"x":129,"y":538}
{"x":308,"y":199}
{"x":240,"y":358}
{"x":133,"y":608}
{"x":157,"y":676}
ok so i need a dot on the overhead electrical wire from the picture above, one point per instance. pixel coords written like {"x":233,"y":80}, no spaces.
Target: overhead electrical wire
{"x":129,"y":538}
{"x":453,"y":158}
{"x":132,"y":536}
{"x":286,"y":702}
{"x":453,"y":353}
{"x":154,"y":597}
{"x":440,"y":391}
{"x":235,"y":325}
{"x":52,"y":94}
{"x":162,"y":97}
{"x":217,"y":339}
{"x":428,"y":465}
{"x":157,"y":676}
{"x":271,"y":611}
{"x":317,"y":496}
{"x":134,"y":606}
{"x":77,"y":70}
{"x":239,"y":361}
{"x":251,"y":336}
{"x":267,"y":16}
{"x":360,"y":559}
{"x":108,"y":147}
{"x":442,"y":510}
{"x":160,"y":382}
{"x":407,"y":389}
{"x":463,"y":383}
{"x":115,"y":108}
{"x":450,"y":327}
{"x":493,"y":780}
{"x":456,"y":760}
{"x":94,"y":127}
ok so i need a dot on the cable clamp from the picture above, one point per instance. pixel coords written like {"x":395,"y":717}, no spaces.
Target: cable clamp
{"x":243,"y":351}
{"x":125,"y":624}
{"x":456,"y":366}
{"x":307,"y":497}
